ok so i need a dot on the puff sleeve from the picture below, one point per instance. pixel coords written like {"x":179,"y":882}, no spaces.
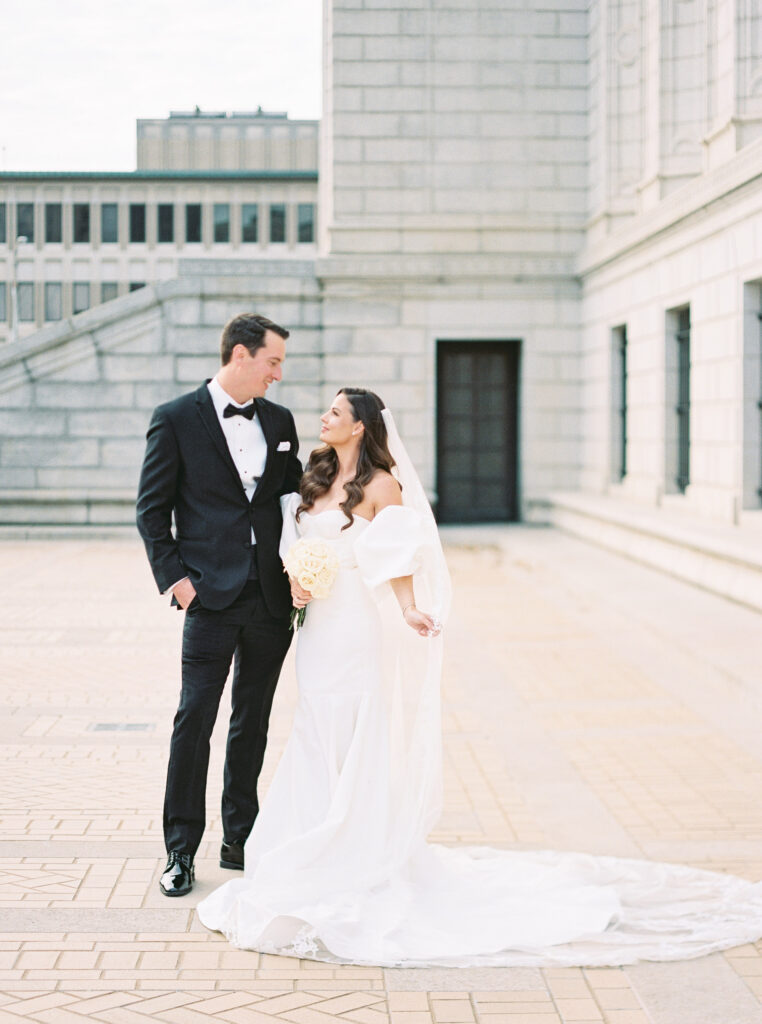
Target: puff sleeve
{"x":393,"y":545}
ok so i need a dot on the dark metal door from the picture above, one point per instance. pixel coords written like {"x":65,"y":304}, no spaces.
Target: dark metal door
{"x":477,"y":431}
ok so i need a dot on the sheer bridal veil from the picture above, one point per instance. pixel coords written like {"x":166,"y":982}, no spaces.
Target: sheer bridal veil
{"x":413,"y":666}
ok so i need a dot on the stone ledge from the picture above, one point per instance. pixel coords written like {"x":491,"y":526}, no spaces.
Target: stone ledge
{"x":726,"y":560}
{"x":43,"y":509}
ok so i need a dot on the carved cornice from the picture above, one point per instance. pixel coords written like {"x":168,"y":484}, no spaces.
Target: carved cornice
{"x":743,"y":170}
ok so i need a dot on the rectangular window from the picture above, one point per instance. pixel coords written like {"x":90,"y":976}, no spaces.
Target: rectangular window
{"x":137,"y":222}
{"x":165,"y":222}
{"x":249,"y":222}
{"x":109,"y":291}
{"x":683,"y":338}
{"x":306,"y":222}
{"x":137,"y":285}
{"x":619,"y":402}
{"x":278,"y":222}
{"x":25,"y":296}
{"x":678,"y":399}
{"x":759,"y":397}
{"x":751,"y":420}
{"x":52,"y":222}
{"x":193,"y":222}
{"x":221,"y":222}
{"x":81,"y":298}
{"x":53,"y":301}
{"x":81,"y":214}
{"x":3,"y":224}
{"x":109,"y":222}
{"x":25,"y":221}
{"x":3,"y":303}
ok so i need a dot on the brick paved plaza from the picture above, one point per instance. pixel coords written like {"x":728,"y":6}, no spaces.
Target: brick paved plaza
{"x":590,"y":704}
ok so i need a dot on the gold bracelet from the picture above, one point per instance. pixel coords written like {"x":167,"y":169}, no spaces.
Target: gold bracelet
{"x":412,"y":605}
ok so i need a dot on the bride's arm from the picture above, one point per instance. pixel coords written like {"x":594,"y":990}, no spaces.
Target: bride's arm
{"x":384,"y":491}
{"x":289,"y":535}
{"x":422,"y":623}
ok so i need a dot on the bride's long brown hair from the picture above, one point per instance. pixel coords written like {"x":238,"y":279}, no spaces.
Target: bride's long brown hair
{"x":323,"y":465}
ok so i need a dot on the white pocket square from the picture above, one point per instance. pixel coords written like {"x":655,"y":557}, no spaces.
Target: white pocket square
{"x":284,"y":446}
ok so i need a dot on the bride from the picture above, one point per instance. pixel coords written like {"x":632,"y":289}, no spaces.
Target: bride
{"x":337,"y":865}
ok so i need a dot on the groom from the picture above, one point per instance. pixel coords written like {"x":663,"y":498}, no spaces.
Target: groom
{"x":218,"y":460}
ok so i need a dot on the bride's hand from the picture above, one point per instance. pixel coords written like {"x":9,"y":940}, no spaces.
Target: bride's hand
{"x":423,"y":624}
{"x":300,"y":597}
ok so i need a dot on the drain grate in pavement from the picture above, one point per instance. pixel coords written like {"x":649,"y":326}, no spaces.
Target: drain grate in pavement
{"x":121,"y":727}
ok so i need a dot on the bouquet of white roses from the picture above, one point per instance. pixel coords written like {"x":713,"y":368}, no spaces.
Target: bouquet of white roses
{"x":314,"y":565}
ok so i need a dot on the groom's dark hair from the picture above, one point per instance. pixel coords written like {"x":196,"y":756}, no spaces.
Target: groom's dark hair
{"x":246,"y":329}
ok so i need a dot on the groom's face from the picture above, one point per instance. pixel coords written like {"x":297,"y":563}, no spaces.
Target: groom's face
{"x":257,"y":372}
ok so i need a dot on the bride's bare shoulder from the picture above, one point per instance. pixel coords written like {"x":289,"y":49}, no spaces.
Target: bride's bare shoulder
{"x":383,"y":490}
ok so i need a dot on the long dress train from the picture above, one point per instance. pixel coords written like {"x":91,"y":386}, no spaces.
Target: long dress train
{"x":338,"y":867}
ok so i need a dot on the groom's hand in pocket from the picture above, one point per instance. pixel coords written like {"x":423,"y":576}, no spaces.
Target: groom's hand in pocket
{"x":184,"y":591}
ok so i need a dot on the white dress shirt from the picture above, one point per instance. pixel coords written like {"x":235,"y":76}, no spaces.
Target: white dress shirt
{"x":246,"y":443}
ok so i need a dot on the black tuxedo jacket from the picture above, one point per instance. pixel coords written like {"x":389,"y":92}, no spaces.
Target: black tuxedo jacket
{"x":188,"y":471}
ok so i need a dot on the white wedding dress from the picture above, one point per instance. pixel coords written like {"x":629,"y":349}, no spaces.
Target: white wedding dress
{"x":337,"y":865}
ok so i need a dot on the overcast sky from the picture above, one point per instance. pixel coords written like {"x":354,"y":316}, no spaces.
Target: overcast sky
{"x":76,"y":74}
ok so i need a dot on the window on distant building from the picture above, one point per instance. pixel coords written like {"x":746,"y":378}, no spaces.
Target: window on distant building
{"x":53,"y":301}
{"x":137,"y":222}
{"x":81,"y":214}
{"x":81,"y":297}
{"x":52,"y":222}
{"x":221,"y":222}
{"x":109,"y":290}
{"x":249,"y":222}
{"x":3,"y":303}
{"x":137,"y":285}
{"x":25,"y":297}
{"x":3,"y":224}
{"x":165,"y":222}
{"x":25,"y":221}
{"x":306,"y":222}
{"x":193,"y":222}
{"x":278,"y":222}
{"x":109,"y":222}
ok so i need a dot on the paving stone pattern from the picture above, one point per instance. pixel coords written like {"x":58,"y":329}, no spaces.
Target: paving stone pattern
{"x":589,"y":703}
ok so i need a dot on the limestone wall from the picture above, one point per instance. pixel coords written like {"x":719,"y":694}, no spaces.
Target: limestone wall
{"x":453,"y":201}
{"x":703,"y":249}
{"x":455,"y":127}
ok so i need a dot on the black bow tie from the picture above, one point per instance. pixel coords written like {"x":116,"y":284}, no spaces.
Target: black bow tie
{"x":234,"y":410}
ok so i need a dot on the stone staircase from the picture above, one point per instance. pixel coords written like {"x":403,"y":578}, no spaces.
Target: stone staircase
{"x":723,"y":558}
{"x":76,"y":397}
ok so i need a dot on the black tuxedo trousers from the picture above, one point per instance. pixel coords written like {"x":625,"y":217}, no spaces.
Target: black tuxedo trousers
{"x":241,"y":612}
{"x":258,"y":641}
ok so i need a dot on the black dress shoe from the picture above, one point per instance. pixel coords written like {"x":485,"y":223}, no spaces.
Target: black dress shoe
{"x":231,"y":856}
{"x":178,"y":876}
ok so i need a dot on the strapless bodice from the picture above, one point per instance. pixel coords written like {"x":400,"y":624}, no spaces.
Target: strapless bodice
{"x":327,"y":525}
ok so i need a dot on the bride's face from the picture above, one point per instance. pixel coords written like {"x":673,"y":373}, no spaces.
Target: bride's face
{"x":338,"y":425}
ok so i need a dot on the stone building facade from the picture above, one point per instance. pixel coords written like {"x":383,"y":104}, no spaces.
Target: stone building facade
{"x":539,"y":239}
{"x":207,"y":141}
{"x":207,"y":185}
